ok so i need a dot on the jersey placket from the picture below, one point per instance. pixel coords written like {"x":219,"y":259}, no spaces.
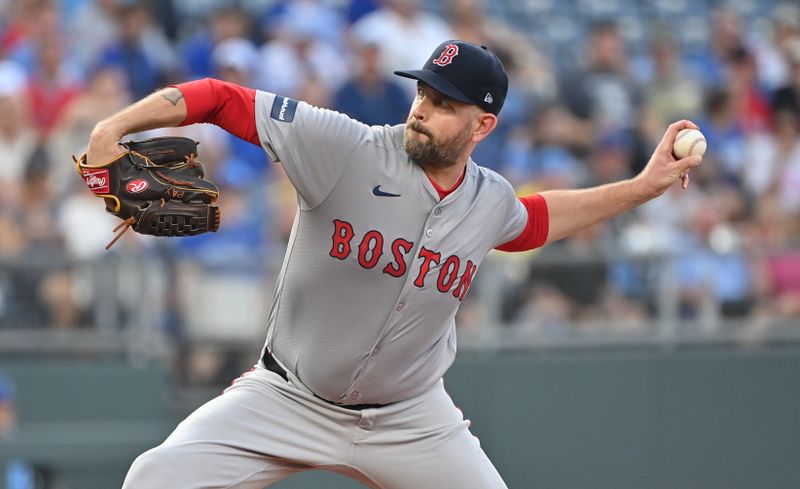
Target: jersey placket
{"x":408,"y":291}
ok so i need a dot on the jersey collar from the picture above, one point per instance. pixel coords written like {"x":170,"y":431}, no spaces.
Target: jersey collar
{"x":445,"y":192}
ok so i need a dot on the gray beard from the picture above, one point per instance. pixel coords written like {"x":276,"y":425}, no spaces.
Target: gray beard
{"x":433,"y":153}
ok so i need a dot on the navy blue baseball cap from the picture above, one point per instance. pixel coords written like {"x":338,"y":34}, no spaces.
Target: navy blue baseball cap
{"x":466,"y":72}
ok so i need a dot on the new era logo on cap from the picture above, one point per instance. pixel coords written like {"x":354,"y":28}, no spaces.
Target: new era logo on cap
{"x":466,"y":72}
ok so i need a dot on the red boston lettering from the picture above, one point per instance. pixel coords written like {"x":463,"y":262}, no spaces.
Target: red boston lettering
{"x":370,"y":250}
{"x":427,"y":256}
{"x":400,"y":248}
{"x":466,"y":281}
{"x":448,"y":273}
{"x":342,"y":234}
{"x":371,"y":244}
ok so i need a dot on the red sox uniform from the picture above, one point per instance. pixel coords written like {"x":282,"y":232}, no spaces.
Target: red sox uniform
{"x":361,"y":328}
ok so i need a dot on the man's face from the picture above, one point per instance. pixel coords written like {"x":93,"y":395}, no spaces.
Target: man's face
{"x":439,"y":130}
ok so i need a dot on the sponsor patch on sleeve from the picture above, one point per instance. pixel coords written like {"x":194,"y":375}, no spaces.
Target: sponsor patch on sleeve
{"x":283,"y":109}
{"x":97,"y":180}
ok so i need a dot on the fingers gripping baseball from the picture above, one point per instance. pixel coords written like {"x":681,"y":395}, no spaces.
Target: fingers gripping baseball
{"x":664,"y":168}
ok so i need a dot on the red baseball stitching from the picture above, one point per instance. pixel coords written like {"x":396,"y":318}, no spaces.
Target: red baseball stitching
{"x":694,"y":143}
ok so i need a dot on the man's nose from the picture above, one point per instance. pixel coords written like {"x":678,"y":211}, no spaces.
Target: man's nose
{"x":419,"y":112}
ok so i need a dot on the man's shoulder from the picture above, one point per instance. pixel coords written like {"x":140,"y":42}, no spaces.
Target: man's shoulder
{"x":390,"y":137}
{"x":489,"y":175}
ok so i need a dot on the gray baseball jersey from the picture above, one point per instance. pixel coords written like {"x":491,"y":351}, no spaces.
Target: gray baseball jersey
{"x":363,"y":315}
{"x":376,"y":264}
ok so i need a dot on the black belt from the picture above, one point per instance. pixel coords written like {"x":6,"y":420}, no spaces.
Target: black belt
{"x":272,"y":366}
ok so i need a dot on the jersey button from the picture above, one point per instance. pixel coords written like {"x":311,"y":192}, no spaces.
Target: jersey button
{"x":354,"y":395}
{"x":437,"y":212}
{"x":375,"y":351}
{"x":429,"y":233}
{"x":400,"y":307}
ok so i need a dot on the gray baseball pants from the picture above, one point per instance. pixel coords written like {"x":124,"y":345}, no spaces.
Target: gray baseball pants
{"x":263,"y":429}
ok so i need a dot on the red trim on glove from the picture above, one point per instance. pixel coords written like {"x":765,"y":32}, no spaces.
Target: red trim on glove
{"x":227,"y":105}
{"x":535,"y":233}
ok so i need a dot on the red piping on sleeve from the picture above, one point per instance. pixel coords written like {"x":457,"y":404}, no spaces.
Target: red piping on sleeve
{"x":227,"y":105}
{"x":535,"y":233}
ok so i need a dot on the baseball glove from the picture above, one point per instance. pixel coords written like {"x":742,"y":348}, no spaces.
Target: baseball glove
{"x":156,"y":187}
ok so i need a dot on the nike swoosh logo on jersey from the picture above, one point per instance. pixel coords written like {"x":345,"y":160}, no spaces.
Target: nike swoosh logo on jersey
{"x":380,"y":193}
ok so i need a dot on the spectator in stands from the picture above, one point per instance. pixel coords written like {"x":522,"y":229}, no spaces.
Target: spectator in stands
{"x":610,"y":158}
{"x":18,"y":140}
{"x":726,"y":139}
{"x":670,"y":94}
{"x":141,"y":51}
{"x":232,"y":248}
{"x":773,"y":162}
{"x":772,"y":55}
{"x":530,"y":75}
{"x":297,"y":64}
{"x":359,"y":8}
{"x":537,"y":157}
{"x":92,"y":29}
{"x":405,"y":34}
{"x":788,"y":96}
{"x":38,"y":20}
{"x":776,"y":260}
{"x":713,"y":274}
{"x":707,"y":64}
{"x":17,"y":20}
{"x":603,"y":97}
{"x":20,"y":305}
{"x":369,"y":95}
{"x":753,"y":149}
{"x":196,"y":52}
{"x":234,"y":61}
{"x":470,"y":22}
{"x":53,"y":84}
{"x":105,"y":92}
{"x":750,"y":103}
{"x":324,"y":22}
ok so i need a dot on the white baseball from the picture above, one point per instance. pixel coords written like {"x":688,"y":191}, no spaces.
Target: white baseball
{"x":689,"y":142}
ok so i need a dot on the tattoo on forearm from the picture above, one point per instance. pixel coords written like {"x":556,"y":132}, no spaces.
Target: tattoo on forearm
{"x":172,"y":95}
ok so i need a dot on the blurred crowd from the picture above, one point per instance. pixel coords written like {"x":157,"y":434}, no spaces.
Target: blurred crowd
{"x":725,"y":248}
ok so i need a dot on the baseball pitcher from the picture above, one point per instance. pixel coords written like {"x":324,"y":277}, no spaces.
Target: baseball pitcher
{"x":392,"y":226}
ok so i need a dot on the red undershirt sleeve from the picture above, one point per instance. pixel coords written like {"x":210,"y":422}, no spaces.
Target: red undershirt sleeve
{"x":535,"y":233}
{"x":227,"y":105}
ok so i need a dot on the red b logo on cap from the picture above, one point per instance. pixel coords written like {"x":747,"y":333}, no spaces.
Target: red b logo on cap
{"x":444,"y":59}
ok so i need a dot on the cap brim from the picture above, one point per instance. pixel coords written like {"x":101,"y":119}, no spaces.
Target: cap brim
{"x":438,"y":82}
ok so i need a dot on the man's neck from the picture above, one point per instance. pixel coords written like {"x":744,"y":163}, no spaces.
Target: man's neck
{"x":446,"y":178}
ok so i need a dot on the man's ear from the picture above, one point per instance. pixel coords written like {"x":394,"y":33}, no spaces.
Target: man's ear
{"x":485,"y":124}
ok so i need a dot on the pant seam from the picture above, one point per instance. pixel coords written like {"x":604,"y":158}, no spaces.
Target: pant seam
{"x":240,"y":481}
{"x":366,"y":476}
